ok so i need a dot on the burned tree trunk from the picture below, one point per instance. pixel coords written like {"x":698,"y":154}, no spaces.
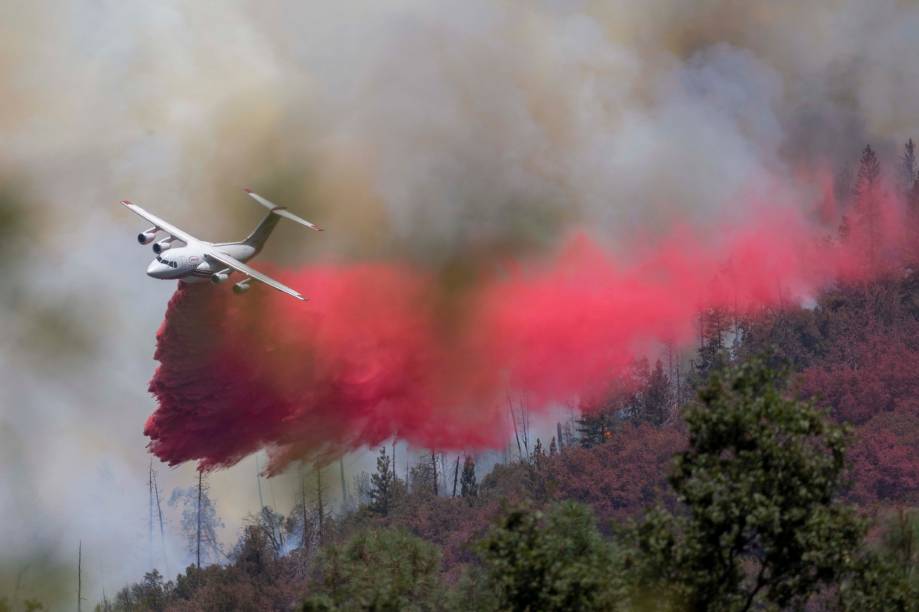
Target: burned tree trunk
{"x":198,"y":529}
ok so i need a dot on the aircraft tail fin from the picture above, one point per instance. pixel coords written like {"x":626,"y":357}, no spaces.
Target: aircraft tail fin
{"x":262,"y":231}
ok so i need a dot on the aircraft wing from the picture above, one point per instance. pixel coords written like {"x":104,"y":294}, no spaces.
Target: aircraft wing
{"x":232,"y":262}
{"x":165,"y":226}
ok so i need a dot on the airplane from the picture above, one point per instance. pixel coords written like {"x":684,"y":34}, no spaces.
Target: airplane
{"x":199,"y":261}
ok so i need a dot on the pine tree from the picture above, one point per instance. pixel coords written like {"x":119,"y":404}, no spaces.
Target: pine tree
{"x":845,"y":229}
{"x":299,"y":522}
{"x":382,"y":486}
{"x":909,"y":176}
{"x":867,"y":185}
{"x":657,"y":397}
{"x":713,"y":325}
{"x":469,"y":486}
{"x":421,"y":478}
{"x":595,"y":428}
{"x":869,"y":173}
{"x":908,"y":167}
{"x":539,"y":455}
{"x":553,"y":447}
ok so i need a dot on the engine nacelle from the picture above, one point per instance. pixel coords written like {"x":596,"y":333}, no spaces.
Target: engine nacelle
{"x":148,"y":236}
{"x":220,"y":277}
{"x":162,"y":245}
{"x":241,"y":287}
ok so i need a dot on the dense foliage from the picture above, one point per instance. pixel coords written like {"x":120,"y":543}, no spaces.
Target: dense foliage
{"x":380,"y":569}
{"x":756,"y":520}
{"x":554,"y":562}
{"x":760,"y":482}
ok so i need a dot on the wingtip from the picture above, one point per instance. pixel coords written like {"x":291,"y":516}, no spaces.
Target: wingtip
{"x":247,"y":190}
{"x":126,"y":202}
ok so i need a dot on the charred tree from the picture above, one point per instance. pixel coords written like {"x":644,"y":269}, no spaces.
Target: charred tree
{"x":159,"y":513}
{"x":455,"y":475}
{"x":469,"y":487}
{"x":304,"y":538}
{"x":80,"y":576}
{"x":198,"y":520}
{"x":320,"y":508}
{"x":344,"y":487}
{"x":908,"y":167}
{"x":434,"y":470}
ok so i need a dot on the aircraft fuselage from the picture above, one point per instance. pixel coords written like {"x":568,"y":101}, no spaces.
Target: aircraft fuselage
{"x":189,"y":264}
{"x":196,"y":260}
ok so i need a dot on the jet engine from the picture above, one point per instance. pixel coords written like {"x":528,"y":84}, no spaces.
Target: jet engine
{"x":241,"y":287}
{"x":162,"y":245}
{"x":147,"y":236}
{"x":219,"y":277}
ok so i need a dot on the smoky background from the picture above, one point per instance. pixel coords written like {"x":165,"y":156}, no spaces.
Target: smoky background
{"x":446,"y":135}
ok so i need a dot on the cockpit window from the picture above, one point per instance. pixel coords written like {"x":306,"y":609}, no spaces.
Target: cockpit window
{"x":171,"y":264}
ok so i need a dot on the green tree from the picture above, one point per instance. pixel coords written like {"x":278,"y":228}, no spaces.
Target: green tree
{"x":554,"y":562}
{"x":378,"y":570}
{"x":900,"y":543}
{"x":150,"y":594}
{"x":760,"y":482}
{"x":874,"y":584}
{"x":422,"y":478}
{"x":382,"y":485}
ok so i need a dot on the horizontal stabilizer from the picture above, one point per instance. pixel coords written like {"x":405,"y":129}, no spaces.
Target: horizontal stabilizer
{"x":281,"y":211}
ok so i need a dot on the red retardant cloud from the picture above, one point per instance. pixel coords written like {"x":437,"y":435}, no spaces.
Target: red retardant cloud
{"x":355,"y":366}
{"x":377,"y":354}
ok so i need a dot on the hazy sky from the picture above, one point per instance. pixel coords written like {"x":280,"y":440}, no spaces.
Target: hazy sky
{"x":412,"y":130}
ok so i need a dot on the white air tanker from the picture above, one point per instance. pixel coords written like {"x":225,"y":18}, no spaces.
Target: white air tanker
{"x":198,"y":261}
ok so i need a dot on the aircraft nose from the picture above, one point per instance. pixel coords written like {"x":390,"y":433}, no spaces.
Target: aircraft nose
{"x":155,"y":269}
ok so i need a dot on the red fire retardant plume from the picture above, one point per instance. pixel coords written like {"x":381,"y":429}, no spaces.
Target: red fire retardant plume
{"x":373,"y":354}
{"x":358,"y":364}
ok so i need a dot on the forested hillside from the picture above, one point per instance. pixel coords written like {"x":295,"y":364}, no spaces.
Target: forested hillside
{"x":781,"y":458}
